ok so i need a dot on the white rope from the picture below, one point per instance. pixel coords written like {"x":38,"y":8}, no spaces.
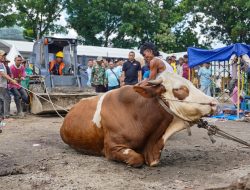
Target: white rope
{"x":50,"y":101}
{"x":53,"y":104}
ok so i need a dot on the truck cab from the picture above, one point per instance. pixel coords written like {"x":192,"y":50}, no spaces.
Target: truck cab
{"x":44,"y":51}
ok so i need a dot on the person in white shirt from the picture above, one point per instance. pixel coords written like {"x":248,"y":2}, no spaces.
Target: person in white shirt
{"x":118,"y":66}
{"x":89,"y":70}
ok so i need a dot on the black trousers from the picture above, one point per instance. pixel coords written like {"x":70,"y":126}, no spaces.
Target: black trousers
{"x":100,"y":88}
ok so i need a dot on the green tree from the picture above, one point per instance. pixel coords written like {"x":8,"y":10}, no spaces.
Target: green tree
{"x":188,"y":38}
{"x":226,"y":20}
{"x":127,"y":24}
{"x":7,"y":17}
{"x":166,"y":39}
{"x":95,"y":21}
{"x":39,"y":17}
{"x":140,"y":20}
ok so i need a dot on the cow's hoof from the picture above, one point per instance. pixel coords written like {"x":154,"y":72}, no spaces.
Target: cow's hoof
{"x":154,"y":163}
{"x":135,"y":162}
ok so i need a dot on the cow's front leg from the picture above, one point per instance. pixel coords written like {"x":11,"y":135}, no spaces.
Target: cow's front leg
{"x":153,"y":149}
{"x":152,"y":152}
{"x":124,"y":154}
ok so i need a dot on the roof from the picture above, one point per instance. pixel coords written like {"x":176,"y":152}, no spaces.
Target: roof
{"x":21,"y":46}
{"x":105,"y":51}
{"x":92,"y":51}
{"x":197,"y":56}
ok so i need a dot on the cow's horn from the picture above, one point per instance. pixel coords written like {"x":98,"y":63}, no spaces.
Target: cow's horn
{"x":155,"y":82}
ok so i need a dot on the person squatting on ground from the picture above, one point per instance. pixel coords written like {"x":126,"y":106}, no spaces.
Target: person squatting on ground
{"x":20,"y":94}
{"x":4,"y":77}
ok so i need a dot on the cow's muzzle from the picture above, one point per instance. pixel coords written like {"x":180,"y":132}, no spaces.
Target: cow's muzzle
{"x":215,"y":108}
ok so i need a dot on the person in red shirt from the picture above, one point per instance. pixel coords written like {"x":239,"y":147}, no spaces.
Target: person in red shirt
{"x":185,"y":67}
{"x":20,"y":94}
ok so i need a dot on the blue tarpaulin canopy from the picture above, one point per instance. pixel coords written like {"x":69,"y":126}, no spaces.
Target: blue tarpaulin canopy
{"x":197,"y":56}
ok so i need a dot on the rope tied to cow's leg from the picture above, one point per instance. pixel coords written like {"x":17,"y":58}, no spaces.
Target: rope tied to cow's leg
{"x":213,"y":130}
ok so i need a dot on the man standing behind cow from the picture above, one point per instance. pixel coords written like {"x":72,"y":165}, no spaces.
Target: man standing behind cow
{"x":131,"y":74}
{"x":113,"y":76}
{"x":156,"y":64}
{"x":89,"y":70}
{"x":98,"y":78}
{"x":205,"y":78}
{"x":18,"y":73}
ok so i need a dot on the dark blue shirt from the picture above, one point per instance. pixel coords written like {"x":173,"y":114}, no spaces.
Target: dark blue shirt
{"x":131,"y":72}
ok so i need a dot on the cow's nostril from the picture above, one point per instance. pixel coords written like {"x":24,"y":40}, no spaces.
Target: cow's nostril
{"x":213,"y":104}
{"x":214,"y":107}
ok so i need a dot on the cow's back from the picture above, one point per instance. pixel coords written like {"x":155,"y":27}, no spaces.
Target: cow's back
{"x":78,"y":129}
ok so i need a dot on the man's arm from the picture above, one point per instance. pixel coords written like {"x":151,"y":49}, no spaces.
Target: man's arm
{"x":153,"y":70}
{"x":199,"y":72}
{"x":92,"y":75}
{"x":139,"y":72}
{"x":8,"y":77}
{"x":122,"y":78}
{"x":139,"y":76}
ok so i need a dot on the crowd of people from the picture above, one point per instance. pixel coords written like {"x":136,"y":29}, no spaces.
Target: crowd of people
{"x":106,"y":74}
{"x":12,"y":81}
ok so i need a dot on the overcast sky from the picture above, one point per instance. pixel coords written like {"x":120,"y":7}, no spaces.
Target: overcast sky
{"x":71,"y":32}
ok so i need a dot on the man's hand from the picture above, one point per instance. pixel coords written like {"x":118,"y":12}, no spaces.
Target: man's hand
{"x":142,"y":83}
{"x":14,"y":82}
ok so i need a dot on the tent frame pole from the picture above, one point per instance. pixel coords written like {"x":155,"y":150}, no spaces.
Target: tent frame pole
{"x":238,"y":91}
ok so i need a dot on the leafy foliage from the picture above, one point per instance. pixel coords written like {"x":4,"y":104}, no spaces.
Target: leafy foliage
{"x":7,"y":18}
{"x":38,"y":17}
{"x":226,"y":20}
{"x":126,"y":24}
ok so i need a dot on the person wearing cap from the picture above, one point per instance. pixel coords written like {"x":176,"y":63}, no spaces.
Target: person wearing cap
{"x":4,"y":78}
{"x":98,"y":77}
{"x":57,"y":66}
{"x":20,"y":94}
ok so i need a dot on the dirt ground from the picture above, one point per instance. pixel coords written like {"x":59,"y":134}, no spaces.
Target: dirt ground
{"x":33,"y":156}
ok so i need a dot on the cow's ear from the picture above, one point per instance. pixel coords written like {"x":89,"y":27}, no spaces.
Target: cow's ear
{"x":150,"y":91}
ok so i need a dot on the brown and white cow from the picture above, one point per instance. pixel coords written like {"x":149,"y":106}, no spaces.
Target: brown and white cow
{"x":130,"y":125}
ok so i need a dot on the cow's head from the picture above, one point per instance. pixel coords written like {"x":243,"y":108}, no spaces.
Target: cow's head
{"x":183,"y":98}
